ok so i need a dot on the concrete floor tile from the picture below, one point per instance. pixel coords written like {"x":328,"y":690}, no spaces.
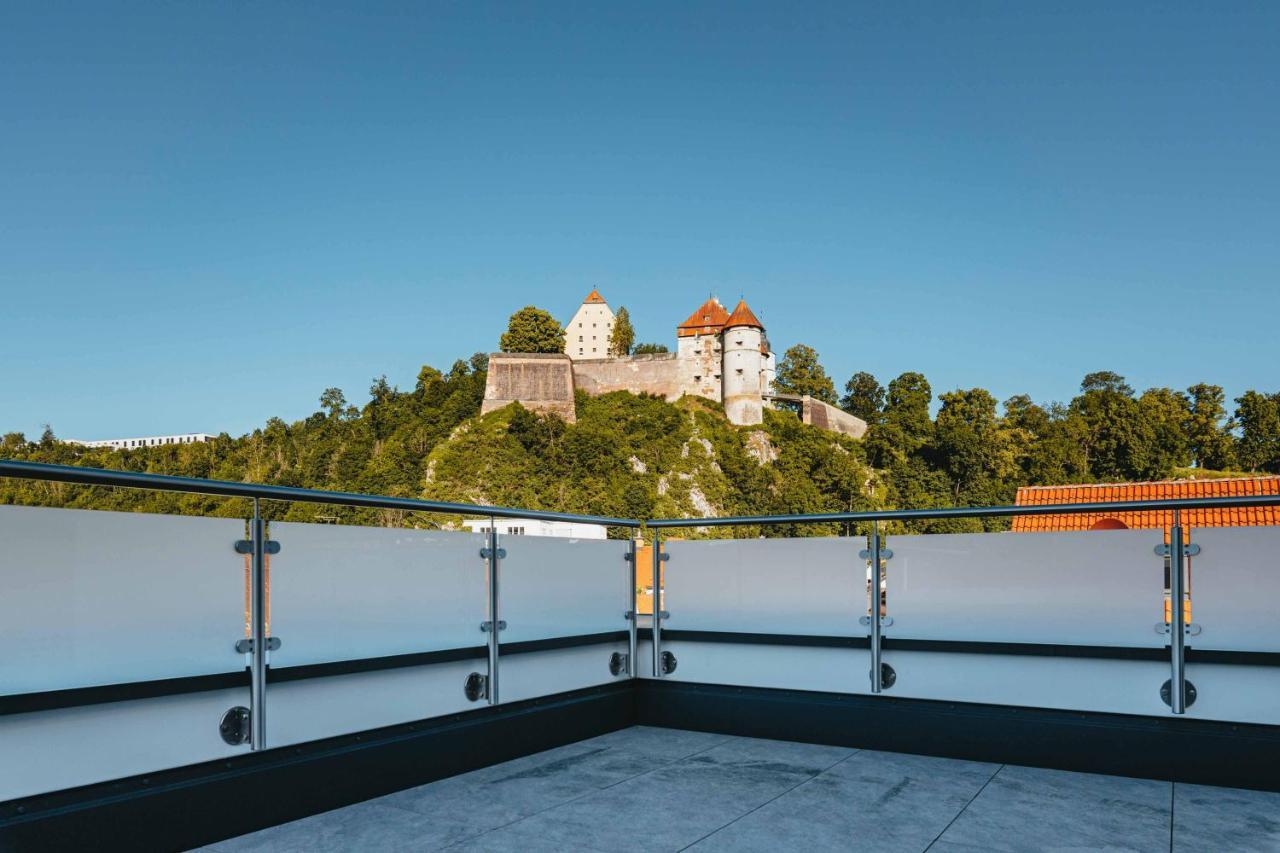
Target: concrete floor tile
{"x":805,"y":759}
{"x":669,"y":808}
{"x":364,"y":826}
{"x":1208,"y":818}
{"x":1033,"y":809}
{"x":498,"y":795}
{"x":874,"y":801}
{"x":661,"y":745}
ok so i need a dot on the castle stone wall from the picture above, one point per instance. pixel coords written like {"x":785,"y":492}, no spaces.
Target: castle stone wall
{"x":541,"y":382}
{"x":658,"y":374}
{"x":828,"y":417}
{"x":700,"y":366}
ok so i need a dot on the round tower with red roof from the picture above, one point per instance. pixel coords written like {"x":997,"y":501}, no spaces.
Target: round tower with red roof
{"x":744,"y":350}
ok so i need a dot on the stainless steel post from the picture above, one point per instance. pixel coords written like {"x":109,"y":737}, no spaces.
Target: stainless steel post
{"x":657,"y":605}
{"x":632,"y":664}
{"x":1177,"y":618}
{"x":876,"y":684}
{"x":494,"y":623}
{"x":258,"y":629}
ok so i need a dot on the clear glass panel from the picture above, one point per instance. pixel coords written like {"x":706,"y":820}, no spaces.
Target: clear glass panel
{"x":553,"y":587}
{"x":1235,"y":587}
{"x":92,"y":598}
{"x":767,"y":586}
{"x":347,"y":593}
{"x":1096,"y":588}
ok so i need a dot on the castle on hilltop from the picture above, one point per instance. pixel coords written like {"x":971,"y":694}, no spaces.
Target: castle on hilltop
{"x":721,"y":355}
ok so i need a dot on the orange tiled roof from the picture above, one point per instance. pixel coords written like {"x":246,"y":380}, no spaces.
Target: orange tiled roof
{"x":742,"y":316}
{"x":709,"y":319}
{"x":1165,"y":489}
{"x":593,"y":298}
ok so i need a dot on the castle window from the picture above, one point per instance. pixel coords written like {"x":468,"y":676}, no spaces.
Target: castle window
{"x":739,"y":371}
{"x":579,"y":338}
{"x":697,"y":379}
{"x":579,"y":350}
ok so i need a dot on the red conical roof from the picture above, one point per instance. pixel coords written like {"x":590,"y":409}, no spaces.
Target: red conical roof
{"x":742,"y":316}
{"x":593,"y":298}
{"x":707,"y":320}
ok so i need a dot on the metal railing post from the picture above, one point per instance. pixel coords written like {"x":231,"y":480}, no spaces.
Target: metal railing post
{"x":657,"y":605}
{"x":1177,"y":618}
{"x":876,"y":683}
{"x":258,"y":630}
{"x":495,"y":624}
{"x":633,"y":609}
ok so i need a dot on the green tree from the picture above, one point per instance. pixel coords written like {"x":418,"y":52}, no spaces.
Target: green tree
{"x":532,"y":330}
{"x":800,"y":372}
{"x":1208,"y":431}
{"x":649,"y":349}
{"x":1047,"y":442}
{"x":334,"y":401}
{"x":1258,"y":416}
{"x":623,"y":335}
{"x":1166,"y":413}
{"x":863,"y":397}
{"x":47,"y":438}
{"x":904,"y":427}
{"x":1117,"y":438}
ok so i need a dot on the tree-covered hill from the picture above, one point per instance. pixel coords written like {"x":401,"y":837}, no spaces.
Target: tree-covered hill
{"x":643,"y":457}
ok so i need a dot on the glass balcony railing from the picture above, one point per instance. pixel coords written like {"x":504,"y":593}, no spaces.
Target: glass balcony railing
{"x":134,"y":643}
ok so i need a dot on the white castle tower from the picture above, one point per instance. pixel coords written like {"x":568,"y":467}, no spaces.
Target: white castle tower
{"x":744,"y":374}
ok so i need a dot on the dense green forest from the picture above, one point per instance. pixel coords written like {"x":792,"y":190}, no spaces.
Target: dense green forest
{"x":640,"y":456}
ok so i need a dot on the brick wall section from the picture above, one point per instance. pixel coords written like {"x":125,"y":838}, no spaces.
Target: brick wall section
{"x":541,"y":382}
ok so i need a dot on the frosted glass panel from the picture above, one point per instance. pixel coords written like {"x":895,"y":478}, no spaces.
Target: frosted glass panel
{"x":90,"y":598}
{"x":553,"y":587}
{"x":1235,"y":589}
{"x":767,"y":586}
{"x":345,"y":593}
{"x":1097,"y":587}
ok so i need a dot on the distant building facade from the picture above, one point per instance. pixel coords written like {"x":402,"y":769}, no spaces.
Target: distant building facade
{"x":147,"y":441}
{"x":587,"y":335}
{"x":523,"y":527}
{"x":720,"y":355}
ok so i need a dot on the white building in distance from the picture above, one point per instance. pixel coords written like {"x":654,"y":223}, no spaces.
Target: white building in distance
{"x":529,"y":527}
{"x":587,"y":335}
{"x":147,"y":441}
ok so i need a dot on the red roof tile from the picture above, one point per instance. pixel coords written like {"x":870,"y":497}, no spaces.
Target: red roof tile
{"x":709,"y":319}
{"x":742,"y":316}
{"x":593,"y":298}
{"x":1148,"y":519}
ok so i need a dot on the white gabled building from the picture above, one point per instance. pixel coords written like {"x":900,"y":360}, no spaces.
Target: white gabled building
{"x":587,"y":335}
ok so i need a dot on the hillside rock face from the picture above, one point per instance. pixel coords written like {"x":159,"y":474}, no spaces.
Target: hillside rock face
{"x":641,"y":456}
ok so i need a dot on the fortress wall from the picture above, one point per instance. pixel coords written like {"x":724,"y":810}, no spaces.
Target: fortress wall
{"x":658,"y":374}
{"x":541,"y":382}
{"x":828,"y":417}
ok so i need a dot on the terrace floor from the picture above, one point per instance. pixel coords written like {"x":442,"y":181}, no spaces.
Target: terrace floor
{"x":668,"y":789}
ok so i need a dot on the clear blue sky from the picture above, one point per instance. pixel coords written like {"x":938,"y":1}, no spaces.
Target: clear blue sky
{"x":209,"y":212}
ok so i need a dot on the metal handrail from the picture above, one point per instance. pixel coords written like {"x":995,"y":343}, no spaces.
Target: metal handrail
{"x":230,"y":489}
{"x":1235,"y":501}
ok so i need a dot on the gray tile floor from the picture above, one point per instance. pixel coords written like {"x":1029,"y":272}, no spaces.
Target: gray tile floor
{"x":667,"y":789}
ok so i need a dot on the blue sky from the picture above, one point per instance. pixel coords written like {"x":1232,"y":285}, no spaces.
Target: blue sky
{"x":210,"y":212}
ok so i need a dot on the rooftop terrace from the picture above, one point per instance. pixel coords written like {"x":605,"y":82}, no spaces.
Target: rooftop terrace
{"x":390,"y":688}
{"x":670,"y":790}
